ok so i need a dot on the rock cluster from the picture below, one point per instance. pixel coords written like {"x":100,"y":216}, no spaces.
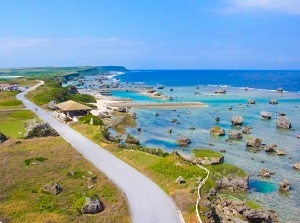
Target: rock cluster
{"x":234,"y":184}
{"x":36,"y":129}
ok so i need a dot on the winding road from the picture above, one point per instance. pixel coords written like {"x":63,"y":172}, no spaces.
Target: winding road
{"x":147,"y":202}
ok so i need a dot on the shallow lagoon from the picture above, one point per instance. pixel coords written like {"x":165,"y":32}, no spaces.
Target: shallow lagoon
{"x":263,"y":190}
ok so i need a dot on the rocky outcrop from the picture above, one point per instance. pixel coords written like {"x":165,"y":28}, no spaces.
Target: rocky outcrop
{"x":253,"y":142}
{"x":237,"y":120}
{"x":51,"y":105}
{"x":122,"y":109}
{"x":2,"y":137}
{"x":233,"y":184}
{"x":273,"y":102}
{"x":280,"y":90}
{"x":134,"y":115}
{"x":265,"y":115}
{"x":53,"y":188}
{"x":237,"y":211}
{"x":36,"y":129}
{"x":169,"y":130}
{"x":217,"y":131}
{"x":296,"y":166}
{"x":283,"y":122}
{"x":72,"y":89}
{"x":92,"y":205}
{"x":285,"y":185}
{"x":131,"y":140}
{"x":207,"y":160}
{"x":280,"y":152}
{"x":183,"y":141}
{"x":234,"y":135}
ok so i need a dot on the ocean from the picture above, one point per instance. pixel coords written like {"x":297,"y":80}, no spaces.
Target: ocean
{"x":261,"y":86}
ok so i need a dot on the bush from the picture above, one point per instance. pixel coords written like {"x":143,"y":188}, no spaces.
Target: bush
{"x":87,"y":118}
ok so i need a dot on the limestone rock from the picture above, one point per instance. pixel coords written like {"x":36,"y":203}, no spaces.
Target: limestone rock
{"x":53,"y":188}
{"x":169,"y":130}
{"x":217,"y":131}
{"x":2,"y":137}
{"x":257,"y":216}
{"x":270,"y":148}
{"x":51,"y":105}
{"x":265,"y":115}
{"x":253,"y":142}
{"x":92,"y":205}
{"x":134,"y":115}
{"x":251,"y":102}
{"x":265,"y":173}
{"x":296,"y":166}
{"x":246,"y":130}
{"x":180,"y":180}
{"x":217,"y":118}
{"x":220,"y":91}
{"x":183,"y":141}
{"x":284,"y":185}
{"x":122,"y":109}
{"x":235,"y":135}
{"x":280,"y":152}
{"x":273,"y":102}
{"x":237,"y":120}
{"x":36,"y":129}
{"x":283,"y":122}
{"x":131,"y":140}
{"x":233,"y":184}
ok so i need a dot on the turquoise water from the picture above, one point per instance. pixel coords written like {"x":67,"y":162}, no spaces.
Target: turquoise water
{"x":262,"y":186}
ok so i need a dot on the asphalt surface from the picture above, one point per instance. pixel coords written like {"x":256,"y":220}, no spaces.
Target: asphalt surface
{"x":147,"y":202}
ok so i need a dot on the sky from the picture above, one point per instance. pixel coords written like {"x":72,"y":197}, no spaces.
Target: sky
{"x":157,"y":34}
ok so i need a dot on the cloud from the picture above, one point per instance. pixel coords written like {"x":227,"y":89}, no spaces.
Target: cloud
{"x":283,"y":6}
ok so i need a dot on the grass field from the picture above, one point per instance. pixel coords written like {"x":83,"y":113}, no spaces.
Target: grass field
{"x":22,"y":198}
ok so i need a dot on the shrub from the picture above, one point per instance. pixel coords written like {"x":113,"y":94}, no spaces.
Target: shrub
{"x":87,"y":118}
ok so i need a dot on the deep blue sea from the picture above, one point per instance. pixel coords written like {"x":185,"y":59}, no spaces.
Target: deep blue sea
{"x":288,"y":80}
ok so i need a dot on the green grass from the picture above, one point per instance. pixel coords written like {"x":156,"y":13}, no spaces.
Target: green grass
{"x":13,"y":128}
{"x":226,"y":169}
{"x":206,"y":153}
{"x":23,"y":198}
{"x":22,"y":115}
{"x":252,"y":204}
{"x":10,"y":103}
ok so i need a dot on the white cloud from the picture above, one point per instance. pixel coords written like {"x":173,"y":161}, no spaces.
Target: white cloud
{"x":284,"y":6}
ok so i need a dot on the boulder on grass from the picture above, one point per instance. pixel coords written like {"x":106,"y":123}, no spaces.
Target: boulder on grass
{"x":92,"y":205}
{"x":36,"y":129}
{"x":53,"y":188}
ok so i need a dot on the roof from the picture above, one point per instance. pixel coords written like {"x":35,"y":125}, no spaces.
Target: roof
{"x":72,"y":106}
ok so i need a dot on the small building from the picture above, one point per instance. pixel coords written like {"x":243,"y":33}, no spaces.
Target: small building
{"x":4,"y":87}
{"x":71,"y":108}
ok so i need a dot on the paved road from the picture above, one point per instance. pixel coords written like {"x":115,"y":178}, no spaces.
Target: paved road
{"x":147,"y":202}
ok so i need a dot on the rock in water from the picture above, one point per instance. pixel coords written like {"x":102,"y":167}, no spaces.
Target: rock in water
{"x":285,"y":185}
{"x":273,"y":102}
{"x":237,"y":120}
{"x":270,"y":148}
{"x":235,"y":135}
{"x":296,"y":166}
{"x":217,"y":131}
{"x":183,"y":141}
{"x":251,"y":102}
{"x":92,"y":205}
{"x":265,"y":115}
{"x":2,"y":137}
{"x":131,"y":140}
{"x":246,"y":130}
{"x":283,"y":122}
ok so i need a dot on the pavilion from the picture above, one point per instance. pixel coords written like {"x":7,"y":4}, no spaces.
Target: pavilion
{"x":72,"y":108}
